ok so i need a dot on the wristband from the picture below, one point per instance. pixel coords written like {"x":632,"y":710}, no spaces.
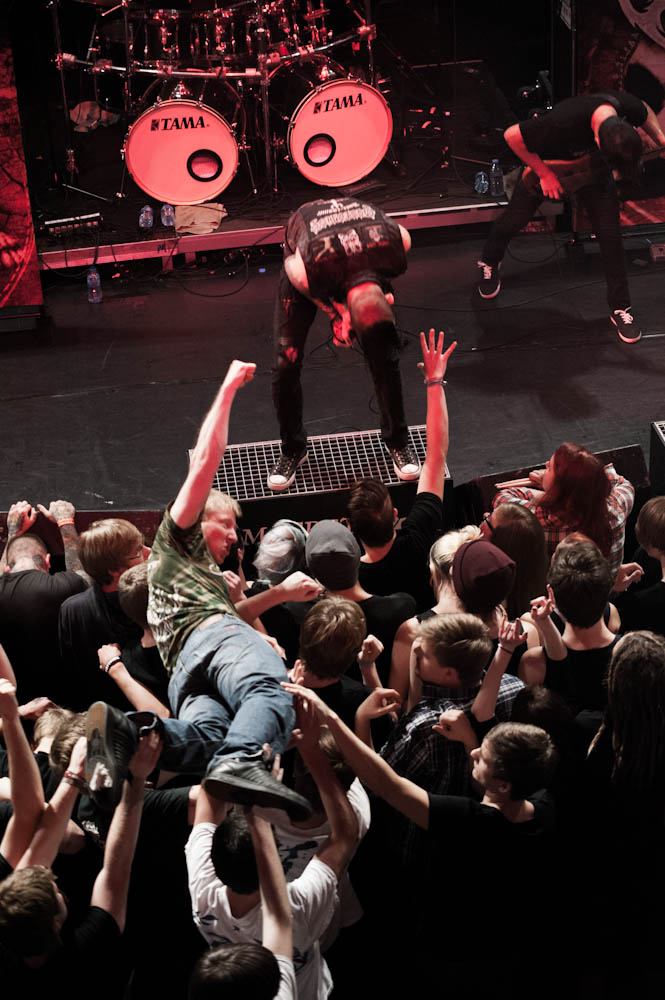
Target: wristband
{"x":111,"y":662}
{"x":434,"y":381}
{"x":65,"y":520}
{"x":76,"y":780}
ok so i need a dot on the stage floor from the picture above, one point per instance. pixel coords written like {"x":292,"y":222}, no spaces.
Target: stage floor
{"x":102,"y":404}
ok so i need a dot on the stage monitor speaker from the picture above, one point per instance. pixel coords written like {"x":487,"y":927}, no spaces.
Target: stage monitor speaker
{"x":321,"y":487}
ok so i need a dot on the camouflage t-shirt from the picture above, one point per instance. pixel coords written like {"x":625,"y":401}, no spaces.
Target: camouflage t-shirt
{"x":186,"y":587}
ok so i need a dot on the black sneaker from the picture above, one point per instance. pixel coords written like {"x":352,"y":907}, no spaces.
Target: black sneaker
{"x":405,"y":462}
{"x":112,"y":741}
{"x":284,"y":472}
{"x":627,"y":328}
{"x":489,"y":283}
{"x":249,"y":783}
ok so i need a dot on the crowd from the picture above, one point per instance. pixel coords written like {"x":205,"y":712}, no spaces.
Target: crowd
{"x":388,"y":760}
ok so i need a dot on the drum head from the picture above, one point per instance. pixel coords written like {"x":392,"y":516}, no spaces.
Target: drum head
{"x":181,"y":152}
{"x":339,"y":132}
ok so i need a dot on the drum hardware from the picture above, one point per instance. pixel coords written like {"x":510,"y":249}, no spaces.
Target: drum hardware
{"x":319,"y":35}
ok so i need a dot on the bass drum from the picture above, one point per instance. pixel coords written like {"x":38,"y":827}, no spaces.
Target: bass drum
{"x":337,"y":129}
{"x":182,"y":149}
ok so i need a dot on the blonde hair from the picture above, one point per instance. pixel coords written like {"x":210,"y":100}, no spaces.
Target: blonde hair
{"x":443,"y":550}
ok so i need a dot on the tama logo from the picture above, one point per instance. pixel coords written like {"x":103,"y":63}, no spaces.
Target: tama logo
{"x":165,"y":124}
{"x":337,"y":103}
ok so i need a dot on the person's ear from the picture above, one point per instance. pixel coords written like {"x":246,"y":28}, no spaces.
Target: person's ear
{"x":395,"y":515}
{"x":47,"y":561}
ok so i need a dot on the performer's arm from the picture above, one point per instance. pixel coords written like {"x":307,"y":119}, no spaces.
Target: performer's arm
{"x":549,"y":182}
{"x":652,"y":126}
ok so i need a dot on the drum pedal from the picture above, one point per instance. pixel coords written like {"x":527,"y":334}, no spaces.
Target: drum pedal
{"x":361,"y":187}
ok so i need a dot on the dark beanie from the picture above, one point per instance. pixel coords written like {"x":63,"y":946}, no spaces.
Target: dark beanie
{"x":333,"y":555}
{"x":483,"y":575}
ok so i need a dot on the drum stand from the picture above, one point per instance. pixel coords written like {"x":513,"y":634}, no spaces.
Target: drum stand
{"x":70,"y":158}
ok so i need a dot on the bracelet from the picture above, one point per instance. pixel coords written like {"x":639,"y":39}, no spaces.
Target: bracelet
{"x":434,"y":381}
{"x":505,"y":649}
{"x":65,"y":520}
{"x":111,"y":662}
{"x":76,"y":780}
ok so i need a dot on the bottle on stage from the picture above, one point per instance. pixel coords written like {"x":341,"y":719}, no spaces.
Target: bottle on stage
{"x":496,"y":179}
{"x":146,"y":217}
{"x":94,"y":283}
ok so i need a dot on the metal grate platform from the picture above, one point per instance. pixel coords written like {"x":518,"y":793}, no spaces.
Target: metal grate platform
{"x":334,"y":462}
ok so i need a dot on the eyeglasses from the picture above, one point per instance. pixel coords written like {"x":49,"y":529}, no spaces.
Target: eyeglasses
{"x":486,"y":525}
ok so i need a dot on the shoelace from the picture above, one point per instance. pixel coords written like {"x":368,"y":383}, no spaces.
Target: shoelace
{"x":624,"y":315}
{"x":487,"y":270}
{"x":405,"y":457}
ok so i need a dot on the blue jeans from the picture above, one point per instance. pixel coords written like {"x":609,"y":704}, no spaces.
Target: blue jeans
{"x":226,"y":698}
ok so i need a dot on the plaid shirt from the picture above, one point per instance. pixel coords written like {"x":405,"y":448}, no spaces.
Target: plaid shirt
{"x":438,"y":765}
{"x":619,"y":505}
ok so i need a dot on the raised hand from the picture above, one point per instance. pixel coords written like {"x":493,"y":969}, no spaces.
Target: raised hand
{"x":511,"y":634}
{"x":77,"y":759}
{"x":234,"y":583}
{"x":239,"y":374}
{"x":8,"y":702}
{"x":311,"y":699}
{"x":628,"y":574}
{"x":455,"y":726}
{"x":300,"y":587}
{"x":147,"y":754}
{"x":58,"y":510}
{"x":20,"y":518}
{"x":542,"y":607}
{"x":380,"y":702}
{"x":434,"y":361}
{"x":370,"y":650}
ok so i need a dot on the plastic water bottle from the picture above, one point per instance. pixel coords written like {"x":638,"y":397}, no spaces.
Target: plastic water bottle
{"x":94,"y":285}
{"x":167,"y":215}
{"x":481,"y":182}
{"x":145,"y":217}
{"x":496,"y":179}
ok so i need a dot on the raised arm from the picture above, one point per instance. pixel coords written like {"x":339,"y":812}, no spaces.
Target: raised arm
{"x":373,"y":771}
{"x":27,"y":795}
{"x":138,"y":694}
{"x":652,"y":126}
{"x":297,"y":587}
{"x":61,"y":513}
{"x":276,"y":916}
{"x":20,"y":518}
{"x":210,"y":447}
{"x":112,"y":884}
{"x":55,"y":818}
{"x":434,"y":366}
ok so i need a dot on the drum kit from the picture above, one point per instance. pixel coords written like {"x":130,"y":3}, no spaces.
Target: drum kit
{"x":200,"y":88}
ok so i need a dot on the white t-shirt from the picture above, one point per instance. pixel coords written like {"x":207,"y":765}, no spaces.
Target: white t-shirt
{"x":312,"y":898}
{"x":297,"y":846}
{"x":287,"y":987}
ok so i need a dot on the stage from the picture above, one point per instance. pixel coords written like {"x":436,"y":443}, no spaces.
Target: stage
{"x":103,"y":401}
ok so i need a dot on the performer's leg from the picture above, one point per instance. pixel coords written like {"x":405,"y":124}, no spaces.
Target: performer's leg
{"x":292,"y":318}
{"x":602,"y":204}
{"x":521,"y":209}
{"x":380,"y":344}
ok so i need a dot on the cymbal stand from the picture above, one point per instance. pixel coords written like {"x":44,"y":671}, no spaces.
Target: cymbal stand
{"x":262,"y":48}
{"x":70,"y":157}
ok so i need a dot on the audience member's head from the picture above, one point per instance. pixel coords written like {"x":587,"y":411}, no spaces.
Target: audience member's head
{"x":371,"y":512}
{"x":235,"y":972}
{"x":453,"y":650}
{"x":218,"y":524}
{"x":32,"y":911}
{"x":650,"y":527}
{"x":232,"y":854}
{"x":133,"y":594}
{"x":281,"y":551}
{"x":333,"y":555}
{"x":576,"y":490}
{"x":331,"y":637}
{"x":520,"y":757}
{"x":538,"y":706}
{"x":28,"y":551}
{"x":72,"y":727}
{"x":518,"y":532}
{"x":443,"y":551}
{"x":108,"y":547}
{"x":581,"y":580}
{"x":49,"y":724}
{"x":634,"y":715}
{"x":482,"y":576}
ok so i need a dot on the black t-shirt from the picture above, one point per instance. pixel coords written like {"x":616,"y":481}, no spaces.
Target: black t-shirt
{"x":405,"y":567}
{"x":643,"y":609}
{"x":580,"y":678}
{"x":29,"y":605}
{"x":384,"y":615}
{"x":90,"y":953}
{"x":145,"y":665}
{"x":5,"y":868}
{"x":344,"y":242}
{"x":565,"y":132}
{"x":88,"y":621}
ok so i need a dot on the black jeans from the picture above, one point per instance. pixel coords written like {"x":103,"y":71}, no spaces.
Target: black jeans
{"x":602,"y":204}
{"x":292,"y":319}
